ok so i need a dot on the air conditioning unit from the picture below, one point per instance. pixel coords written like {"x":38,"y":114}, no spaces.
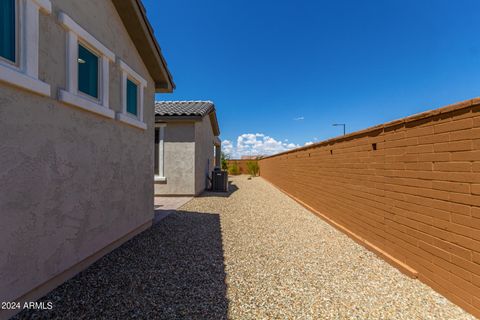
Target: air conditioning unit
{"x":219,"y":181}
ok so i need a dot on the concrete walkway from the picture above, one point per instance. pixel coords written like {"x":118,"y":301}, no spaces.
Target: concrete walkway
{"x":164,"y":206}
{"x":251,"y":254}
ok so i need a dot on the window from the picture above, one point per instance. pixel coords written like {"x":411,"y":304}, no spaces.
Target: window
{"x":159,"y":173}
{"x":19,"y":37}
{"x":133,"y":86}
{"x":157,"y":149}
{"x":132,"y":101}
{"x":8,"y":30}
{"x":87,"y":71}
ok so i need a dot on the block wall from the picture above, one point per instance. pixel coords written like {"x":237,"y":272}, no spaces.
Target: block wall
{"x":242,"y":165}
{"x":409,"y":189}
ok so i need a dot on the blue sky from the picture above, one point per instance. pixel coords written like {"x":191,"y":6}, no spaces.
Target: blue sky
{"x":286,"y":70}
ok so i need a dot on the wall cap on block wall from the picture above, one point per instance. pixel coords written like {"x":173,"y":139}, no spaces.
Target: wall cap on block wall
{"x":419,"y":116}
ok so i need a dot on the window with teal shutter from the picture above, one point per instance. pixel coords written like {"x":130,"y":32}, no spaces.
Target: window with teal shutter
{"x":7,"y":29}
{"x":87,"y":71}
{"x":132,"y":90}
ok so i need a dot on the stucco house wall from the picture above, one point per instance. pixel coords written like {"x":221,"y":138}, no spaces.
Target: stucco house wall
{"x":188,"y":157}
{"x":204,"y":154}
{"x":73,"y":182}
{"x":179,"y":160}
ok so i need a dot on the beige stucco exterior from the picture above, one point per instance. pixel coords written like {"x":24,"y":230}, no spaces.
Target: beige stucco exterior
{"x":72,"y":182}
{"x":179,"y":160}
{"x":188,"y":158}
{"x":204,"y":154}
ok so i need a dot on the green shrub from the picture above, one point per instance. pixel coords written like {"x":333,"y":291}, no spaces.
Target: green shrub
{"x":233,"y":169}
{"x":253,"y":168}
{"x":224,"y":161}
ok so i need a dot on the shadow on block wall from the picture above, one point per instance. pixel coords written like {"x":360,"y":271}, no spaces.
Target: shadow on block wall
{"x":174,"y":270}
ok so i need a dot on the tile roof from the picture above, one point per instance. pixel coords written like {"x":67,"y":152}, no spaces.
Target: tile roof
{"x":184,"y":108}
{"x":165,"y":110}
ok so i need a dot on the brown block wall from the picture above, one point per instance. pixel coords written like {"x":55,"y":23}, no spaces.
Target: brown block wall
{"x":242,"y":165}
{"x":408,"y":189}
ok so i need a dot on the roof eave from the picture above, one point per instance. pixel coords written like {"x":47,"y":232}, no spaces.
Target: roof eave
{"x":177,"y":118}
{"x":212,"y":115}
{"x":214,"y":122}
{"x":135,"y":20}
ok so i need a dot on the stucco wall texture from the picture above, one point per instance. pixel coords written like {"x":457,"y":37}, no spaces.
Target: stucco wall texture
{"x":179,"y":160}
{"x":72,"y":182}
{"x":204,"y":153}
{"x":408,"y":189}
{"x":188,"y":158}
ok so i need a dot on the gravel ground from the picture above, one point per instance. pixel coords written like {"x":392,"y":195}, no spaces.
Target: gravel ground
{"x":173,"y":270}
{"x":255,"y":254}
{"x":283,"y":262}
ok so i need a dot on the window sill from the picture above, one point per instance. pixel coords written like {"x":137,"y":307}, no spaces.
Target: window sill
{"x":45,"y":5}
{"x":131,"y":121}
{"x":23,"y":81}
{"x":85,"y":104}
{"x":160,"y":179}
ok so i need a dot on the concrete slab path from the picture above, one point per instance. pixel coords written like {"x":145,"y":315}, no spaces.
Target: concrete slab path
{"x":166,"y":205}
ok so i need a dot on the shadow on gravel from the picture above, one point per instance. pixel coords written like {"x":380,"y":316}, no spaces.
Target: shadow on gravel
{"x":232,"y":188}
{"x":174,"y":270}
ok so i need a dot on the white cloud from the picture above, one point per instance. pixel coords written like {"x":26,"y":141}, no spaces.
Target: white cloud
{"x":256,"y":144}
{"x":299,"y":118}
{"x":308,"y":143}
{"x":227,"y":146}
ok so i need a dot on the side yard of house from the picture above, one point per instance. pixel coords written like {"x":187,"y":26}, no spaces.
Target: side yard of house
{"x":85,"y":148}
{"x":408,"y":190}
{"x":253,"y":253}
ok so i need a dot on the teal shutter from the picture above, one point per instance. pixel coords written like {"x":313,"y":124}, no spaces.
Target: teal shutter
{"x":7,"y":29}
{"x":132,"y":90}
{"x":87,"y":72}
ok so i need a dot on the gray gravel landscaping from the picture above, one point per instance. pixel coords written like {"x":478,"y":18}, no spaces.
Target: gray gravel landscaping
{"x":174,"y":270}
{"x":255,"y":254}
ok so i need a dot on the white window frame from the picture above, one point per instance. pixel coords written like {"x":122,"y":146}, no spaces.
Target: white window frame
{"x":77,"y":35}
{"x":124,"y":116}
{"x":161,"y":152}
{"x":24,"y":72}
